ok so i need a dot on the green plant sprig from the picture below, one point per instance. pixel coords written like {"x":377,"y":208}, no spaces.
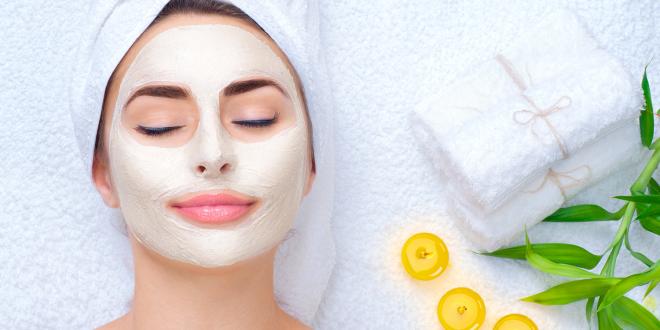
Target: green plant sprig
{"x":605,"y":293}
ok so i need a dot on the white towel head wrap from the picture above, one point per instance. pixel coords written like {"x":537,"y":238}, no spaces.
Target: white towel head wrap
{"x":304,"y":261}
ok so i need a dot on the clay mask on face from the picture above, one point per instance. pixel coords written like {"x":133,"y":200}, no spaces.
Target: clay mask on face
{"x":205,"y":59}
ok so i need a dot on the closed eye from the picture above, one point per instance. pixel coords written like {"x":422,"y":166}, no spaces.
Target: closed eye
{"x":256,"y":122}
{"x":156,"y":131}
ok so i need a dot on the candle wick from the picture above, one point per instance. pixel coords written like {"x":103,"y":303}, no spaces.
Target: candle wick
{"x":461,"y":309}
{"x":422,"y":253}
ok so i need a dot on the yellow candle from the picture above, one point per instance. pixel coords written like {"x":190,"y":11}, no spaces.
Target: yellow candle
{"x":461,"y":309}
{"x":515,"y":322}
{"x":424,"y":256}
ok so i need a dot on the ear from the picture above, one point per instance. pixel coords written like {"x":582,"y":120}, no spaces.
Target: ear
{"x":101,"y":178}
{"x":310,"y":181}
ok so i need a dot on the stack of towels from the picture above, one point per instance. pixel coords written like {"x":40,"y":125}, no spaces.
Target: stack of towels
{"x":523,"y":132}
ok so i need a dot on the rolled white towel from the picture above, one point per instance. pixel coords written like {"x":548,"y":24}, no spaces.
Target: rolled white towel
{"x":547,"y":192}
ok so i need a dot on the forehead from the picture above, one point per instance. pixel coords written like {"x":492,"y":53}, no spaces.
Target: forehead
{"x":205,"y":55}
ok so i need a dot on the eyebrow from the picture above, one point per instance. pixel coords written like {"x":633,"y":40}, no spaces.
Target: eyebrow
{"x":244,"y":86}
{"x":176,"y":92}
{"x":168,"y":91}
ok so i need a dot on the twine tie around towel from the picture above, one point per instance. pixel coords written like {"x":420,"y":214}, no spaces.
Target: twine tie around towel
{"x":555,"y":177}
{"x":537,"y":113}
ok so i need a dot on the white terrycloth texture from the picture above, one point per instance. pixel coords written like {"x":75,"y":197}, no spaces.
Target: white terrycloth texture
{"x":65,"y":263}
{"x":385,"y":56}
{"x":61,"y":269}
{"x":544,"y":195}
{"x":538,"y":55}
{"x":517,"y":117}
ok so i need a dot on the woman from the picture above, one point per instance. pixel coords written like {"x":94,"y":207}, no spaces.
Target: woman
{"x":205,"y":145}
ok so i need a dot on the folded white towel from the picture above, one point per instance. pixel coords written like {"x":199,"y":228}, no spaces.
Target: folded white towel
{"x":491,"y":156}
{"x":501,"y":130}
{"x":548,"y":191}
{"x":540,"y":55}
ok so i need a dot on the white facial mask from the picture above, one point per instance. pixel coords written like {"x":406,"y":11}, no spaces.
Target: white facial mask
{"x":207,"y":58}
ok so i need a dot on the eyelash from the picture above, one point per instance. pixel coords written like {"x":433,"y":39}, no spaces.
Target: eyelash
{"x":161,"y":131}
{"x":156,"y":131}
{"x":258,"y":123}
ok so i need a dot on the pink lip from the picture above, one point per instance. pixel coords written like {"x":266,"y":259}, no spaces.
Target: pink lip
{"x":213,"y":208}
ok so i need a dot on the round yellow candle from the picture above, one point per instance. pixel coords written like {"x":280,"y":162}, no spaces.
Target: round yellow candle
{"x":461,"y":309}
{"x":515,"y":322}
{"x":424,"y":256}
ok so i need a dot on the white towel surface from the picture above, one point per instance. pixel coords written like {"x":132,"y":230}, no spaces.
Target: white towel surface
{"x":544,"y":195}
{"x":66,"y":264}
{"x":501,"y":147}
{"x":538,"y":54}
{"x":387,"y":55}
{"x":517,"y":117}
{"x":60,"y":272}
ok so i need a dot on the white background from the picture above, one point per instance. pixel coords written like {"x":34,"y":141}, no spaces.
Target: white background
{"x":384,"y":56}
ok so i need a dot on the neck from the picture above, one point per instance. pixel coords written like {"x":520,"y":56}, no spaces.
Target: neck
{"x":172,"y":294}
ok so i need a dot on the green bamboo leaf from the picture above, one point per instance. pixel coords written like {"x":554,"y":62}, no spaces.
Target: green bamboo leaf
{"x":647,"y":210}
{"x":606,"y":320}
{"x":651,"y":286}
{"x":628,"y":283}
{"x":646,"y":115}
{"x":651,"y":224}
{"x":654,"y":187}
{"x":641,"y":208}
{"x":543,"y":264}
{"x":572,"y":291}
{"x":590,"y":310}
{"x":629,"y":313}
{"x":646,"y":89}
{"x":637,"y":255}
{"x":582,"y":213}
{"x":647,"y":199}
{"x":557,"y":252}
{"x":646,"y":127}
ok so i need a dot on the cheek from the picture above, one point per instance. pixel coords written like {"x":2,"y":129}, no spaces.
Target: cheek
{"x":275,"y":164}
{"x":143,"y":171}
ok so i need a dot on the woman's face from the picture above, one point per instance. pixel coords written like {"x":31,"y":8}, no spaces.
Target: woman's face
{"x":208,"y":147}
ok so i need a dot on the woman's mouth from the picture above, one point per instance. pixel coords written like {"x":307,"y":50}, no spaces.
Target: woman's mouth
{"x":210,"y":208}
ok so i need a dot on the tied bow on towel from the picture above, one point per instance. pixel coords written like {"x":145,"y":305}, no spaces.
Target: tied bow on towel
{"x":578,"y":101}
{"x":537,"y":113}
{"x":530,"y":117}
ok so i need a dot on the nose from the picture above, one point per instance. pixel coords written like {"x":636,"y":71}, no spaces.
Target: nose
{"x":213,"y":147}
{"x":213,"y":168}
{"x":216,"y":158}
